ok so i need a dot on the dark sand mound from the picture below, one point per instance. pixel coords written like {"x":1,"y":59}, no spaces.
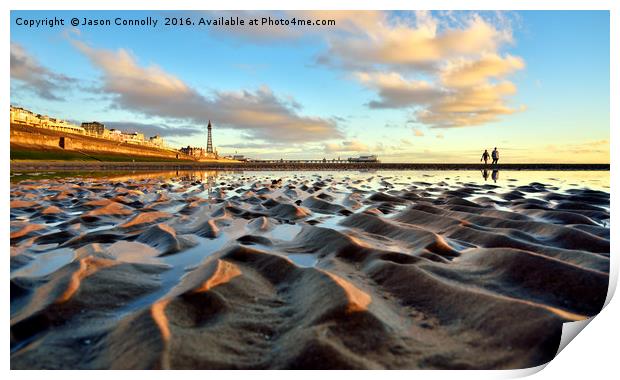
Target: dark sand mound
{"x":305,"y":271}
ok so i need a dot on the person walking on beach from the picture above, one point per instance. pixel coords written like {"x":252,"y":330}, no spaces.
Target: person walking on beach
{"x":495,"y":156}
{"x":485,"y":157}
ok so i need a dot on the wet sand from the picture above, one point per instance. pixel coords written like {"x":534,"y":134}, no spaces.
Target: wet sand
{"x":302,"y":270}
{"x":30,"y":165}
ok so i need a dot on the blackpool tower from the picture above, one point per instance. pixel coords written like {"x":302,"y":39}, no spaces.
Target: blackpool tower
{"x":209,"y":139}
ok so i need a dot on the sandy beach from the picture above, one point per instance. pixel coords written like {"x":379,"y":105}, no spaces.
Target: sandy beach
{"x":303,"y":270}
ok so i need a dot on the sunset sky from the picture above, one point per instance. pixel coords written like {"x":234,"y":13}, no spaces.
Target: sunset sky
{"x":407,"y":86}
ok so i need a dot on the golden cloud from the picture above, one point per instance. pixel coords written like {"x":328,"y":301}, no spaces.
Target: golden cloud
{"x":384,"y":41}
{"x":463,"y":81}
{"x":346,"y":147}
{"x":152,"y":91}
{"x":470,"y":72}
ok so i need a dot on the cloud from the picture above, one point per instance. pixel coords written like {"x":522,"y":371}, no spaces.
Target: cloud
{"x":346,"y":22}
{"x":445,"y":68}
{"x":248,"y":146}
{"x":395,"y":42}
{"x":465,"y":73}
{"x":346,"y":147}
{"x":42,"y":81}
{"x":154,"y":129}
{"x":152,"y":91}
{"x":418,"y":133}
{"x":464,"y":83}
{"x":587,"y":147}
{"x":473,"y":101}
{"x":448,"y":70}
{"x":396,"y":92}
{"x":367,"y":39}
{"x":469,"y":106}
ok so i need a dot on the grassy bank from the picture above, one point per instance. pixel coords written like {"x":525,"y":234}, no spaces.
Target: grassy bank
{"x":27,"y":154}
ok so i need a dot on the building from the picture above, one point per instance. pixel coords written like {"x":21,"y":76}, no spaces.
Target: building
{"x":23,"y":116}
{"x":157,"y":141}
{"x":64,"y":126}
{"x":193,"y":151}
{"x":133,"y":137}
{"x":94,"y":128}
{"x":114,"y":134}
{"x":45,"y":121}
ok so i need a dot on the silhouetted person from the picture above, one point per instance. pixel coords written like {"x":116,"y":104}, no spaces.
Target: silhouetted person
{"x":495,"y":175}
{"x":495,"y":156}
{"x":485,"y":157}
{"x":485,"y":174}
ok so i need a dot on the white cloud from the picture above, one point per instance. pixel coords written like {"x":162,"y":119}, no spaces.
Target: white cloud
{"x":44,"y":82}
{"x":346,"y":147}
{"x":153,"y":91}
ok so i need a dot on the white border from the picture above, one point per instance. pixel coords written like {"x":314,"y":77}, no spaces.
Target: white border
{"x":592,"y":355}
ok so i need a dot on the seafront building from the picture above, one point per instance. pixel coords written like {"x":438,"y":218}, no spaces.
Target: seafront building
{"x":157,"y":141}
{"x":193,"y":151}
{"x":133,"y":137}
{"x":27,"y":117}
{"x":96,"y":129}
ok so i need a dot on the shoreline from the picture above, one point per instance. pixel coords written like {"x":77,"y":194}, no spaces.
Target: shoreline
{"x":257,"y":166}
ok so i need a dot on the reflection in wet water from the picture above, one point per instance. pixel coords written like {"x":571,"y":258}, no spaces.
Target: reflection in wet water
{"x":494,"y":174}
{"x":485,"y":174}
{"x":594,"y":179}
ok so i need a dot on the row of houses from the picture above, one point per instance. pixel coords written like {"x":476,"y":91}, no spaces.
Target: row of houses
{"x":26,"y":117}
{"x":93,"y":129}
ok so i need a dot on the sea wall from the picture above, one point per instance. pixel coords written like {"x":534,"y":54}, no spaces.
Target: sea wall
{"x":32,"y":138}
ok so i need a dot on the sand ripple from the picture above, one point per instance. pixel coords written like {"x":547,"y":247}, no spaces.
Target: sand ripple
{"x":306,"y":271}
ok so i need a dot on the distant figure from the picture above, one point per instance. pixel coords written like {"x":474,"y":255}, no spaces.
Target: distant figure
{"x":485,"y":157}
{"x":495,"y":156}
{"x":495,"y":175}
{"x":485,"y":174}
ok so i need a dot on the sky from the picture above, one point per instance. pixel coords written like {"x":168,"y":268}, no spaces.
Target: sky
{"x":408,"y":86}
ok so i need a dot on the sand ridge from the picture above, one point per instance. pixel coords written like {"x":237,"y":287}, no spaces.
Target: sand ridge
{"x":304,"y":270}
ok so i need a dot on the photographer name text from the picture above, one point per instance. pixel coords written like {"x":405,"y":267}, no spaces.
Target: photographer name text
{"x":171,"y":22}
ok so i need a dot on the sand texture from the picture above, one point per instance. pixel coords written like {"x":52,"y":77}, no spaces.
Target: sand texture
{"x":300,"y":271}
